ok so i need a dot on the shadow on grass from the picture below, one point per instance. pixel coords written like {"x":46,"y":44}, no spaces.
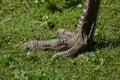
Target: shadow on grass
{"x":100,"y":45}
{"x":107,"y":43}
{"x":72,"y":3}
{"x":54,"y":8}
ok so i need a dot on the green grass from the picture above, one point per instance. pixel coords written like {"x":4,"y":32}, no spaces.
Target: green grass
{"x":17,"y":27}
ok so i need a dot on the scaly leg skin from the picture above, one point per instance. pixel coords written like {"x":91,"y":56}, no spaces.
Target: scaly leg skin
{"x":48,"y":44}
{"x":70,"y":52}
{"x":58,"y":44}
{"x":65,"y":33}
{"x":79,"y":44}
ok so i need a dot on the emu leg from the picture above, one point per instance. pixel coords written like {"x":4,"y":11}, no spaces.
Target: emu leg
{"x":84,"y":31}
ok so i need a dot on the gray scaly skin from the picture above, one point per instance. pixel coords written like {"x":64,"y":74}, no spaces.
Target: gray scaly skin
{"x":48,"y":44}
{"x":68,"y":39}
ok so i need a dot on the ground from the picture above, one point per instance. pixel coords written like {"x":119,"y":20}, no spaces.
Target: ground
{"x":39,"y":20}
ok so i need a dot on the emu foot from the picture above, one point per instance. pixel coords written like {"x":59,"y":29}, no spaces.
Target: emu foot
{"x":67,"y":40}
{"x":70,"y":40}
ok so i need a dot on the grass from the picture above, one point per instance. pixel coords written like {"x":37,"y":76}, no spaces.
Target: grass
{"x":21,"y":21}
